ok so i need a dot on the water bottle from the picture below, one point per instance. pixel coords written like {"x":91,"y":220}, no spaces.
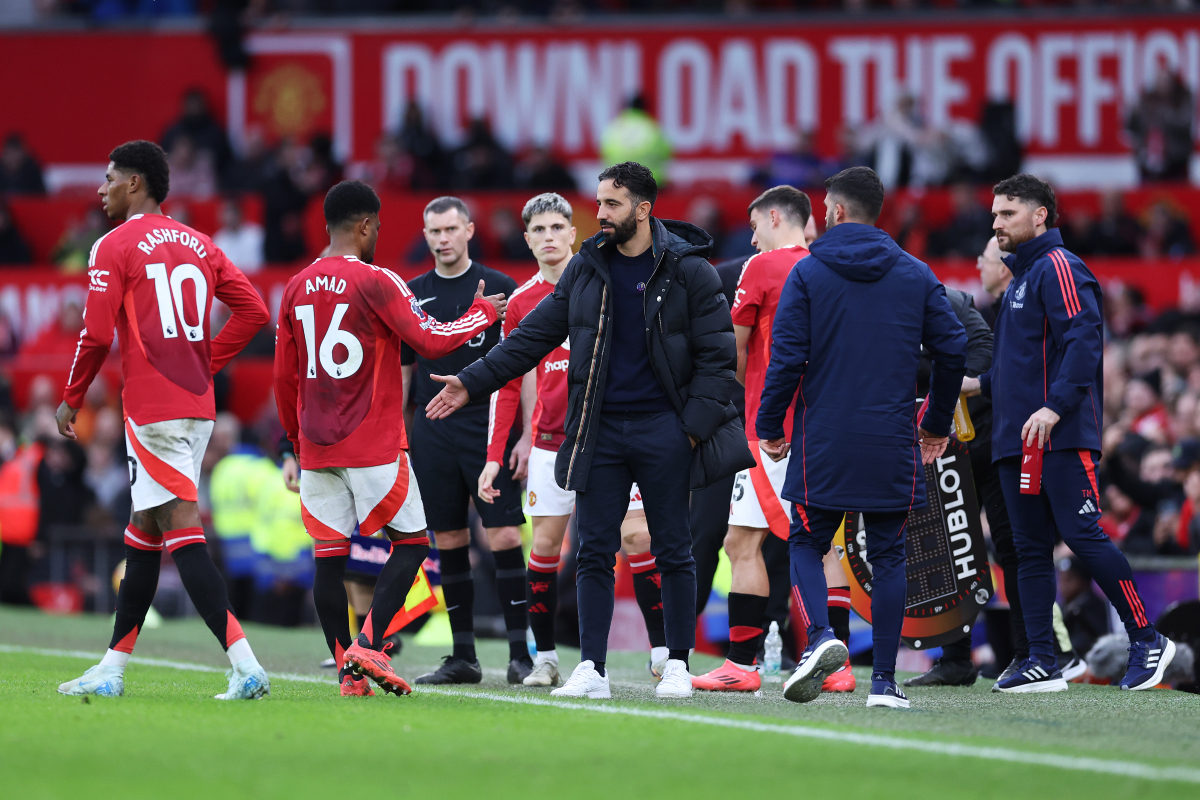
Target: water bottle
{"x":774,"y":651}
{"x":964,"y":429}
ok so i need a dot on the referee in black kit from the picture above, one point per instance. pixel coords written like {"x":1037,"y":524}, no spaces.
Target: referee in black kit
{"x":449,"y":454}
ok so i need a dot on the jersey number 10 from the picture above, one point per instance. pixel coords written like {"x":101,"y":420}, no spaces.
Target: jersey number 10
{"x":334,"y":336}
{"x":170,"y":299}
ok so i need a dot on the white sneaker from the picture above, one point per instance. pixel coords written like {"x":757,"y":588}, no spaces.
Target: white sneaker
{"x":585,"y":682}
{"x":247,"y":681}
{"x":100,"y":680}
{"x":676,"y":681}
{"x":545,"y":673}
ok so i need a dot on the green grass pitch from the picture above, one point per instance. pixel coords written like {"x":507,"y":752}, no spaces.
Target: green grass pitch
{"x":167,"y":738}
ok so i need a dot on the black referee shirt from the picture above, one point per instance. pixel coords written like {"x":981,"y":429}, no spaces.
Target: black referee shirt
{"x":447,"y":299}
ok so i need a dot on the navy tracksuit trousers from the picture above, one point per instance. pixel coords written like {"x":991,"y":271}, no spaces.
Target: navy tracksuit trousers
{"x":811,"y":534}
{"x":653,"y":450}
{"x":1069,"y":505}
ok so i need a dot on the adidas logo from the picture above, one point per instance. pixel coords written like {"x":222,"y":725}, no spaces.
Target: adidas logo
{"x":1152,"y":658}
{"x":1088,"y":507}
{"x":1035,"y":673}
{"x":1025,"y":479}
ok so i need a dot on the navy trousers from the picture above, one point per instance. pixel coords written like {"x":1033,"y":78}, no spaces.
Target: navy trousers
{"x":1069,"y":505}
{"x":811,"y":534}
{"x":652,"y":450}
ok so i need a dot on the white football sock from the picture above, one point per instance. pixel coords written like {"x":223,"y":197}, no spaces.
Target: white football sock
{"x":658,"y":654}
{"x":547,"y":655}
{"x":240,"y":651}
{"x":115,"y":658}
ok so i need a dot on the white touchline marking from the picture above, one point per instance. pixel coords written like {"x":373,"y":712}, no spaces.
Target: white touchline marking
{"x":1128,"y":769}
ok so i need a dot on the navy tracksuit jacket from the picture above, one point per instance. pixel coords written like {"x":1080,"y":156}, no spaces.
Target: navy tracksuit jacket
{"x":848,"y":333}
{"x":1049,"y":353}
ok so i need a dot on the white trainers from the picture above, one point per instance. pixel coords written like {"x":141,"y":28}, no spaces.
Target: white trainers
{"x":585,"y":682}
{"x":100,"y":680}
{"x":247,"y":681}
{"x":676,"y":681}
{"x":545,"y":673}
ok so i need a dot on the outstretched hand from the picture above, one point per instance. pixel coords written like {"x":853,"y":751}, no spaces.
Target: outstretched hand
{"x":775,"y":449}
{"x":450,"y":399}
{"x":932,"y":447}
{"x":498,"y":301}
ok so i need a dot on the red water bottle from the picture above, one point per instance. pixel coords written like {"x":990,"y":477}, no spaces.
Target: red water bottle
{"x":1031,"y":468}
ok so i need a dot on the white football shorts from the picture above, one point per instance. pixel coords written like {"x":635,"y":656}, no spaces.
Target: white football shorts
{"x":545,"y":498}
{"x":757,"y":500}
{"x":164,"y":459}
{"x":334,"y":499}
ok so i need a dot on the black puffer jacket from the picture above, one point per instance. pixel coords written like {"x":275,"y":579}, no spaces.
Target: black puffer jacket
{"x":689,"y":338}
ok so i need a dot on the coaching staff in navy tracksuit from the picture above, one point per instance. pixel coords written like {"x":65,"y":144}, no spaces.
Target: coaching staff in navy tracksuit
{"x":1046,"y":385}
{"x":649,"y":384}
{"x":847,"y":336}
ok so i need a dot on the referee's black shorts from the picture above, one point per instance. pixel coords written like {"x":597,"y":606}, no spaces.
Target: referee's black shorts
{"x":447,"y":457}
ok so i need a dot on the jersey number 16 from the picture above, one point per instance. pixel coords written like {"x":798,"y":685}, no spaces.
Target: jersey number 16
{"x":333,"y":337}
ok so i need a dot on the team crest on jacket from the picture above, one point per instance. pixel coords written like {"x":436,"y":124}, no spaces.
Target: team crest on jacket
{"x":1019,"y":296}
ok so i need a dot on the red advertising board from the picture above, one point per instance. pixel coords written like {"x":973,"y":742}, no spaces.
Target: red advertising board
{"x":721,"y":92}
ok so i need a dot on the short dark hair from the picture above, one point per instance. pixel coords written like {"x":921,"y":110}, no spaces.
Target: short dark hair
{"x":147,"y":160}
{"x":349,"y":201}
{"x":1032,"y":190}
{"x":635,"y":178}
{"x":440,"y":205}
{"x":860,"y":191}
{"x":787,"y":200}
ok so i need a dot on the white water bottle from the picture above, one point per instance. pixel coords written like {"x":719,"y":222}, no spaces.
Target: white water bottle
{"x":773,"y":645}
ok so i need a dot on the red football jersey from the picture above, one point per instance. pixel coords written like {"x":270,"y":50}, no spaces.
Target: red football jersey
{"x":550,"y":412}
{"x":153,"y":279}
{"x":338,"y":383}
{"x":758,"y":293}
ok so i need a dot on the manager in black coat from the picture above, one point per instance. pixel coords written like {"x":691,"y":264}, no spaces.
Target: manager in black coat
{"x":649,"y":380}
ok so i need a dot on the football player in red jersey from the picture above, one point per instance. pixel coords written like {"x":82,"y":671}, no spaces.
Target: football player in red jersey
{"x":779,"y":218}
{"x":542,"y":396}
{"x":154,"y":280}
{"x":339,"y":390}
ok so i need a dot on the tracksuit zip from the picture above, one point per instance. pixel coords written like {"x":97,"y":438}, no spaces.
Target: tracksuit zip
{"x":581,"y":435}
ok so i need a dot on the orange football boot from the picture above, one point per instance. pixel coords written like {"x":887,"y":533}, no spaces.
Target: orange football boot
{"x":840,"y":681}
{"x":728,"y":678}
{"x":375,"y":665}
{"x":356,"y":687}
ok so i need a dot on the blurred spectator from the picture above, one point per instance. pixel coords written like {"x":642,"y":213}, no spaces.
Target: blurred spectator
{"x":1138,"y":496}
{"x":1084,"y":612}
{"x":392,"y":168}
{"x":284,"y":198}
{"x":969,"y":228}
{"x":65,"y":497}
{"x":907,"y":151}
{"x":1166,"y":233}
{"x":481,"y":162}
{"x":998,"y":126}
{"x":254,"y":168}
{"x":19,"y":514}
{"x":634,"y":135}
{"x":19,"y":172}
{"x":62,"y":337}
{"x":241,"y":241}
{"x":1186,"y":540}
{"x":197,"y":123}
{"x":1126,"y":311}
{"x":72,"y":251}
{"x":107,"y":473}
{"x":421,"y":143}
{"x":284,"y":567}
{"x":911,"y":233}
{"x":801,"y":167}
{"x":1143,"y":403}
{"x":323,"y":169}
{"x":1161,"y":127}
{"x":13,"y":247}
{"x":9,"y":343}
{"x":508,"y":234}
{"x":538,"y":171}
{"x":193,"y":174}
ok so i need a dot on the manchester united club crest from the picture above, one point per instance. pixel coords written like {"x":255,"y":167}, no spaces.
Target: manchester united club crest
{"x":532,"y":499}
